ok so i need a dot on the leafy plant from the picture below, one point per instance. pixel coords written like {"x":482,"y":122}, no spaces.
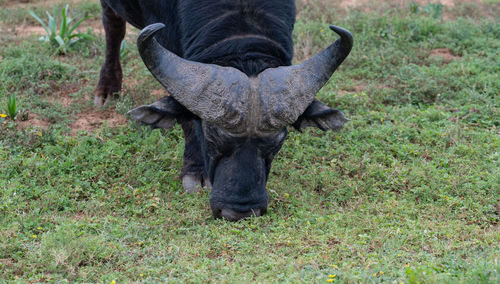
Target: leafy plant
{"x":12,"y":109}
{"x":435,"y":10}
{"x":124,"y":50}
{"x":413,"y":7}
{"x":65,"y":37}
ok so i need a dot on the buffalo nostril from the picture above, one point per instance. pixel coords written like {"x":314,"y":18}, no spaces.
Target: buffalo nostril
{"x":232,"y":215}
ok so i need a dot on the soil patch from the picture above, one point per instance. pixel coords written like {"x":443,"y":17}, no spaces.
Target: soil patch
{"x":360,"y":87}
{"x":28,"y":30}
{"x":19,"y":3}
{"x":6,"y":261}
{"x":444,"y":53}
{"x":63,"y":95}
{"x":63,"y":99}
{"x":31,"y":120}
{"x":92,"y":119}
{"x":159,"y":93}
{"x":357,"y":88}
{"x":30,"y":3}
{"x":95,"y":25}
{"x":25,"y":31}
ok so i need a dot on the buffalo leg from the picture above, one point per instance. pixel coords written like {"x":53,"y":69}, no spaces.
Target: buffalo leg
{"x":193,"y":177}
{"x":110,"y":81}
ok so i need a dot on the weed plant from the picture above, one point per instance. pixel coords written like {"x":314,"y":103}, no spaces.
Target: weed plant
{"x":12,"y":108}
{"x":64,"y":37}
{"x":124,"y":49}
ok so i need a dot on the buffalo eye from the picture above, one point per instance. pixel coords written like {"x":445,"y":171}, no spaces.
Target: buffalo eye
{"x":219,"y":142}
{"x":270,"y":145}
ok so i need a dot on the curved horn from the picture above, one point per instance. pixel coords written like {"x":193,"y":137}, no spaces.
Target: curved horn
{"x":290,"y":90}
{"x":214,"y":93}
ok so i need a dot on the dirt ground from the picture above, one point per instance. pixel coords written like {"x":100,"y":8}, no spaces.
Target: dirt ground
{"x":443,"y":53}
{"x":92,"y":119}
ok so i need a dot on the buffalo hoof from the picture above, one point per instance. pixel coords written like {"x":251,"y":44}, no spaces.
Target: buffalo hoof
{"x":103,"y":97}
{"x":207,"y":183}
{"x":193,"y":184}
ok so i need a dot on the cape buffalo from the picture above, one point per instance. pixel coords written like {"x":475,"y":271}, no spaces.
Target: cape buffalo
{"x":226,"y":65}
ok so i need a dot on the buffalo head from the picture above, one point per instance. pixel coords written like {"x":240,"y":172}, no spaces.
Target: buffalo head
{"x":240,"y":121}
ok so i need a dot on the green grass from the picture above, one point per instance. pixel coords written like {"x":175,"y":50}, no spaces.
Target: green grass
{"x":407,"y":192}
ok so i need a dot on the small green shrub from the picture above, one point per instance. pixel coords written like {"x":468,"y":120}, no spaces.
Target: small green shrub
{"x":435,"y":10}
{"x":414,"y":7}
{"x":65,"y":37}
{"x":124,"y":50}
{"x":12,"y":109}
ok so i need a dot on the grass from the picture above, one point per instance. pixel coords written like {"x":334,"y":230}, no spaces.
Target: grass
{"x":408,"y":192}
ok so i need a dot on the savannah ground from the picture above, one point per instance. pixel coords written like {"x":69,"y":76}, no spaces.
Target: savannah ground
{"x":407,"y":192}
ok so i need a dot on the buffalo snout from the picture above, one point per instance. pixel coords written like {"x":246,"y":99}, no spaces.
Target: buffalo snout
{"x":239,"y":183}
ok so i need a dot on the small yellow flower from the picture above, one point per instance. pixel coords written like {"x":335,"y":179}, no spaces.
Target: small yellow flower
{"x":399,"y":254}
{"x":380,"y":272}
{"x":34,"y":236}
{"x":374,"y":274}
{"x":113,"y":282}
{"x":38,"y":228}
{"x":332,"y":275}
{"x":330,"y":280}
{"x":3,"y":115}
{"x":139,"y":243}
{"x":141,"y":275}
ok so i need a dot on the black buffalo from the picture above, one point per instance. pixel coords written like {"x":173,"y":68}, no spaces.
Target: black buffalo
{"x":226,"y":64}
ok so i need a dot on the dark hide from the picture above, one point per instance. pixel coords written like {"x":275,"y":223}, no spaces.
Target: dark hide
{"x":214,"y":31}
{"x":249,"y":35}
{"x":139,"y":14}
{"x":110,"y":81}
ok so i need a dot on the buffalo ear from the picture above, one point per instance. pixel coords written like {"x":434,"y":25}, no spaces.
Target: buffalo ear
{"x":160,"y":114}
{"x":319,"y":115}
